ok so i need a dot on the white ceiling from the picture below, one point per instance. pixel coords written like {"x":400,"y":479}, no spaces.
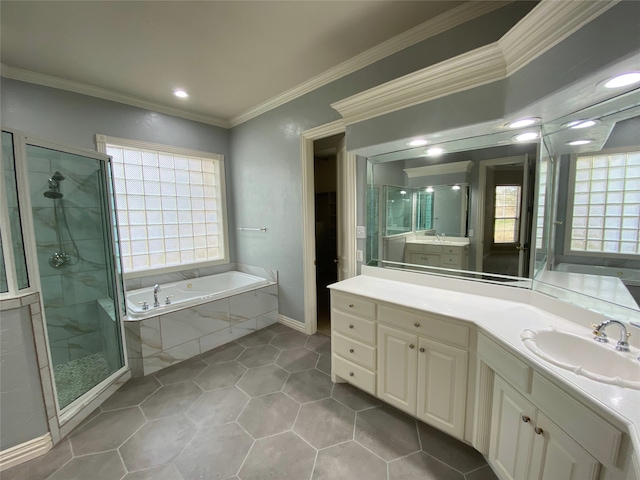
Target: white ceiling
{"x":231,"y":56}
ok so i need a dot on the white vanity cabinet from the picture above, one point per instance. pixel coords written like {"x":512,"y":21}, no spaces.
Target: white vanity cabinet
{"x":434,"y":255}
{"x":353,"y":345}
{"x":418,"y":372}
{"x":525,"y":444}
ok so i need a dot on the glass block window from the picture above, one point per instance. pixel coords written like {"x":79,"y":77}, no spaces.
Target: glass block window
{"x":605,"y":215}
{"x":542,"y":204}
{"x":169,"y":206}
{"x":506,"y":221}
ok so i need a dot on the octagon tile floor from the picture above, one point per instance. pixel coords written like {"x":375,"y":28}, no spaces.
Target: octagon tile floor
{"x":262,"y":407}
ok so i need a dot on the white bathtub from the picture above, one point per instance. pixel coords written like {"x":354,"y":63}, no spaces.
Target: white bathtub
{"x":188,"y":293}
{"x":629,"y":276}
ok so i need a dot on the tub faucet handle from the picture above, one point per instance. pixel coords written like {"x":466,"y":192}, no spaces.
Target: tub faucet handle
{"x":167,"y":301}
{"x":145,"y":305}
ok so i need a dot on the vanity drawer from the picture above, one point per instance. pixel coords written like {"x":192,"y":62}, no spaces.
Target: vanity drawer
{"x":454,"y":250}
{"x":432,"y":248}
{"x":354,"y":351}
{"x":448,"y":259}
{"x":354,"y":305}
{"x":354,"y":327}
{"x":425,"y":325}
{"x":360,"y":377}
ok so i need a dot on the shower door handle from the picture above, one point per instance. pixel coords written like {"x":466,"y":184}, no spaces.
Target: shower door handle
{"x":336,"y":261}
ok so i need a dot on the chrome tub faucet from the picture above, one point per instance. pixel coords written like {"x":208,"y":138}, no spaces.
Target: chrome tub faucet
{"x":156,"y":289}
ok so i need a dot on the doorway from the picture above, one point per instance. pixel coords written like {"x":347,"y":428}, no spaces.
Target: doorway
{"x":325,"y":174}
{"x":503,"y":216}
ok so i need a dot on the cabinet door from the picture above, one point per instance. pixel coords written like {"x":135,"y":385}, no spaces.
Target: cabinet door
{"x":556,"y":455}
{"x":512,"y":423}
{"x":428,"y":259}
{"x":442,"y":386}
{"x":397,"y":368}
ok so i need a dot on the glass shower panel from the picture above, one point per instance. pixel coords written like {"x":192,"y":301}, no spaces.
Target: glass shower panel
{"x":10,"y":190}
{"x":75,"y":259}
{"x":399,"y":207}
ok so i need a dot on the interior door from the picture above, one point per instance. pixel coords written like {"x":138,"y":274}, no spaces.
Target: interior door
{"x":525,"y":221}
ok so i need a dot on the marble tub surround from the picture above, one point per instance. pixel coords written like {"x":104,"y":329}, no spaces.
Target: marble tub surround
{"x":501,"y":313}
{"x":164,"y":340}
{"x":133,"y":283}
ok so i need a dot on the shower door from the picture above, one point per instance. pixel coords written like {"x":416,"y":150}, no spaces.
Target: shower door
{"x":77,"y":268}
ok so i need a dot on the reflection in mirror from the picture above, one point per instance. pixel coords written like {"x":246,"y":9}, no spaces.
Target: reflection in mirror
{"x":593,"y":245}
{"x":470,"y":208}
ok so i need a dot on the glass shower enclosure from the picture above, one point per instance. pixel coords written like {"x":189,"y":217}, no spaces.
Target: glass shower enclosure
{"x":77,"y":268}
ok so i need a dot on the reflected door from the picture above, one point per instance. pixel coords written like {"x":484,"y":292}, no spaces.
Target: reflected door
{"x":75,"y":252}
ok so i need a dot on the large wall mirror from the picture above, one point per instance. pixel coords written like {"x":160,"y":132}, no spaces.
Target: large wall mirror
{"x":556,"y":209}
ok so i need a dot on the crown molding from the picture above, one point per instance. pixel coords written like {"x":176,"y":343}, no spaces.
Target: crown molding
{"x":450,"y":19}
{"x":439,"y":169}
{"x":550,"y":22}
{"x":472,"y":69}
{"x":98,"y":92}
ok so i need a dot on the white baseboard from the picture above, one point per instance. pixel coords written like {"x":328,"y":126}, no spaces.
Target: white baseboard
{"x":25,"y":451}
{"x":290,"y":322}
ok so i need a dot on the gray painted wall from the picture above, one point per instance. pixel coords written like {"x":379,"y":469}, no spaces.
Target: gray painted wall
{"x":72,"y":119}
{"x":266,"y":170}
{"x":23,"y":415}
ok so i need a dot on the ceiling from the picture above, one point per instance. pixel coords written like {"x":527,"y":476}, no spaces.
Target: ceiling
{"x":231,"y":56}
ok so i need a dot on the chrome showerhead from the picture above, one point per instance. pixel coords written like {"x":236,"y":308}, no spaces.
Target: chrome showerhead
{"x":53,"y":194}
{"x":54,"y":186}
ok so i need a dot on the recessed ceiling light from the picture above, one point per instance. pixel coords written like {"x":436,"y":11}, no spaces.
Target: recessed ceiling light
{"x":524,"y":122}
{"x":434,"y":151}
{"x":455,"y":187}
{"x":403,"y":192}
{"x":584,"y":141}
{"x":429,"y":189}
{"x":417,"y":143}
{"x":581,"y":124}
{"x":526,"y":137}
{"x":623,"y":80}
{"x":180,"y":93}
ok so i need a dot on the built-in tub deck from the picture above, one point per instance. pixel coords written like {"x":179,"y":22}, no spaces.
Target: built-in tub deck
{"x":204,"y":313}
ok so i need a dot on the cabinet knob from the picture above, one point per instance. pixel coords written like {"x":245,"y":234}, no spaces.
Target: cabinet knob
{"x":350,"y":326}
{"x":525,"y":419}
{"x":422,"y":349}
{"x":411,"y":345}
{"x":351,"y":374}
{"x":351,"y":350}
{"x":538,"y":431}
{"x":351,"y":305}
{"x":417,"y":324}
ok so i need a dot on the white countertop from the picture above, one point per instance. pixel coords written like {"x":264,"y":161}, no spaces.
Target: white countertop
{"x":503,"y":320}
{"x":586,"y":290}
{"x":429,"y":240}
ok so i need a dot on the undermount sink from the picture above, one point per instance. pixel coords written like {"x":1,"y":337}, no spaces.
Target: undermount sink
{"x":584,"y":356}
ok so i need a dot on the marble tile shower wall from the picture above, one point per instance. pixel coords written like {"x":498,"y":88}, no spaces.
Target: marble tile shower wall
{"x":70,"y":293}
{"x":158,"y":342}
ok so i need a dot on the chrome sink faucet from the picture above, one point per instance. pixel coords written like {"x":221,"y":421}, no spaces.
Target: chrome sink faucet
{"x":156,"y":289}
{"x":601,"y":336}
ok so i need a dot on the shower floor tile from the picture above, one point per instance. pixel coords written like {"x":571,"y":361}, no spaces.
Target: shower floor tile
{"x":244,"y":431}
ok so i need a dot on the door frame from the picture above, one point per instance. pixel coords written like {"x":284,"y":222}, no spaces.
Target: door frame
{"x":482,"y":195}
{"x":346,"y":222}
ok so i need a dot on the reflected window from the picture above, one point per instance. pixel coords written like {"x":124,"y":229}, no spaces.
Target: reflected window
{"x":506,"y":222}
{"x":605,"y":215}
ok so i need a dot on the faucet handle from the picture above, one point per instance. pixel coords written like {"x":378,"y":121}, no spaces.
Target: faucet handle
{"x":167,"y":301}
{"x":145,"y":305}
